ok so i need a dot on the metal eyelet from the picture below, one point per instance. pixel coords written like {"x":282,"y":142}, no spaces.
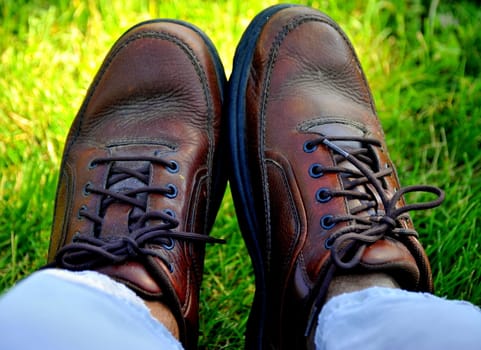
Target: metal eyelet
{"x":327,"y":222}
{"x":79,"y":213}
{"x":309,"y":147}
{"x":315,"y":170}
{"x":86,"y":192}
{"x":172,"y":191}
{"x":170,"y":245}
{"x":92,"y":165}
{"x":323,"y":195}
{"x":76,"y":236}
{"x":328,"y":243}
{"x":173,"y":167}
{"x":169,"y":212}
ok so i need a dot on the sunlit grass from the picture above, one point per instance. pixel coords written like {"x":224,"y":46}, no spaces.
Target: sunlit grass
{"x":423,"y":63}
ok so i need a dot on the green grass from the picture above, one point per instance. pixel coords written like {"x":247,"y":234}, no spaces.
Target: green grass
{"x":423,"y":61}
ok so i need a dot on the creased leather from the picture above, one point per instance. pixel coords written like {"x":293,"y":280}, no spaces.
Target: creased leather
{"x":304,"y":81}
{"x":157,"y":93}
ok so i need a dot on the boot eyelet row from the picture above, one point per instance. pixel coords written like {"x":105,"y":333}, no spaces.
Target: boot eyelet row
{"x":172,"y":191}
{"x":323,"y":195}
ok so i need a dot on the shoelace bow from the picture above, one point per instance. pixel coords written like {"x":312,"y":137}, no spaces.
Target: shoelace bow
{"x":367,"y":229}
{"x":88,"y":251}
{"x":348,"y":244}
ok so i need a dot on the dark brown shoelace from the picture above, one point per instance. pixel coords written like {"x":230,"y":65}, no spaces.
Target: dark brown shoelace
{"x":368,"y":221}
{"x":348,"y":243}
{"x":89,"y":250}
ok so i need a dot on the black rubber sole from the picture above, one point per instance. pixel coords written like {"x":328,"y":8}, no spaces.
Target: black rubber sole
{"x":240,"y":177}
{"x":219,"y":173}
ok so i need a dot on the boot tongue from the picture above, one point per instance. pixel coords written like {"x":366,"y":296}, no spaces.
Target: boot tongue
{"x":118,"y":217}
{"x":340,"y":128}
{"x":386,"y":255}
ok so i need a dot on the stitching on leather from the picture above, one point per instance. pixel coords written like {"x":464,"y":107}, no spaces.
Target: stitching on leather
{"x":290,"y":202}
{"x":272,"y":58}
{"x":197,"y":66}
{"x":307,"y":124}
{"x":140,"y":141}
{"x":69,"y":192}
{"x":305,"y":276}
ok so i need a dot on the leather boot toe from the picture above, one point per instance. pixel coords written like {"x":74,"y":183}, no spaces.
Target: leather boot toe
{"x":315,"y":190}
{"x":141,"y":179}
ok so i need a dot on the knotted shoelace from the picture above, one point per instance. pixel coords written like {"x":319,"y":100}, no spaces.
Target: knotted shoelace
{"x":348,"y":243}
{"x":88,"y":250}
{"x":363,"y":229}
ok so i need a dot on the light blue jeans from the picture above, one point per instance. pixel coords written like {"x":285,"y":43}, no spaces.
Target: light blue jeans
{"x":56,"y":309}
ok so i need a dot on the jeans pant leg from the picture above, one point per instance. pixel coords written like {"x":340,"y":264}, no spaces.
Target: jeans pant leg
{"x":383,"y":318}
{"x":56,"y":309}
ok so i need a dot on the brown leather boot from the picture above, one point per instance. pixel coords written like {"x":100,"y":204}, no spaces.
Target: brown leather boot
{"x":140,"y":182}
{"x":315,"y":190}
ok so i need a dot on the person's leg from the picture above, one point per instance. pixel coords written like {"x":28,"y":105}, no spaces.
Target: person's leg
{"x":139,"y":187}
{"x":59,"y":309}
{"x":317,"y":196}
{"x":386,"y":318}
